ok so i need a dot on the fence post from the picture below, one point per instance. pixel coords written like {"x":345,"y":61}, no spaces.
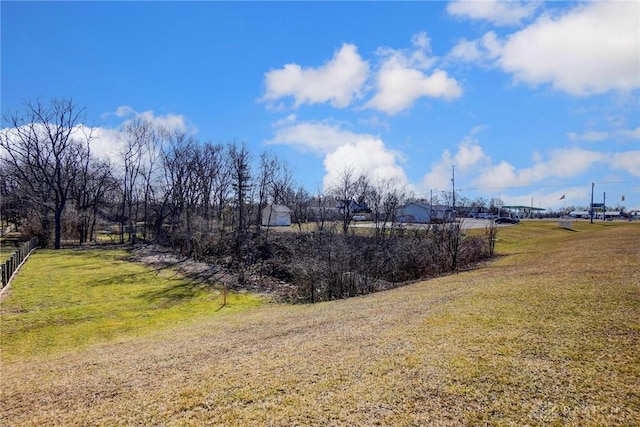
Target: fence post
{"x":11,"y":264}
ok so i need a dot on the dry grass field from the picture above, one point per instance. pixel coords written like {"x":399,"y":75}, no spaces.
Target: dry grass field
{"x":548,"y":334}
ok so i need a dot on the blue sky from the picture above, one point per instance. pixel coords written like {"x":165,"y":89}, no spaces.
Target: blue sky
{"x":529,"y":100}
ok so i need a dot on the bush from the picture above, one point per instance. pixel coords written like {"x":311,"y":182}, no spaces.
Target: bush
{"x":326,"y":265}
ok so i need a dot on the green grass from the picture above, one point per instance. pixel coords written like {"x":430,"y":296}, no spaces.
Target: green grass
{"x":546,"y":335}
{"x":68,"y":299}
{"x":5,"y":253}
{"x":7,"y":248}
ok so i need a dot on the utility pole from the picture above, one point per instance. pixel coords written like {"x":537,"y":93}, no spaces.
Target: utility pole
{"x":604,"y":206}
{"x":453,"y":183}
{"x":531,"y":210}
{"x":591,"y":209}
{"x":430,"y":204}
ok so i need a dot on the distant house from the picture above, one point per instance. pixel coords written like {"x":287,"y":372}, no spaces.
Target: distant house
{"x":351,"y":206}
{"x":580,"y":214}
{"x":611,"y":214}
{"x":276,"y":215}
{"x":596,"y":214}
{"x":322,"y":208}
{"x":423,"y":214}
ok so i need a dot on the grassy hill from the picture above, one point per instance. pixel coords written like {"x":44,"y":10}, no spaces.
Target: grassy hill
{"x":548,"y":334}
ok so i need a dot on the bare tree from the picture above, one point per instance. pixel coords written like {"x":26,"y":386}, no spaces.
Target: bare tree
{"x":152,"y":141}
{"x":240,"y":160}
{"x":208,"y":165}
{"x":385,"y":198}
{"x":479,"y":204}
{"x":268,"y":167}
{"x":222,"y":187}
{"x":282,"y":189}
{"x":491,"y":233}
{"x":178,"y":159}
{"x":495,"y":205}
{"x":137,"y":136}
{"x":344,"y":191}
{"x":301,"y":206}
{"x":94,"y":182}
{"x":275,"y":184}
{"x":45,"y":145}
{"x":351,"y":194}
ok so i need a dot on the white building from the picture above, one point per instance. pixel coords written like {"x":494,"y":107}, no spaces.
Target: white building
{"x":423,"y":214}
{"x":276,"y":215}
{"x":596,"y":214}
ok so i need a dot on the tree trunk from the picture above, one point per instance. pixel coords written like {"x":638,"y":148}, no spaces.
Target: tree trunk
{"x":58,"y":226}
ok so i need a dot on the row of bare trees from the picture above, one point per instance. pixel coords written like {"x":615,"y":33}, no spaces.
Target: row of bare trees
{"x":163,"y":185}
{"x":167,"y":183}
{"x":206,"y":199}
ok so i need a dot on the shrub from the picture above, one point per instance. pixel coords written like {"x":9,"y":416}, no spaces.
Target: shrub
{"x":326,"y":264}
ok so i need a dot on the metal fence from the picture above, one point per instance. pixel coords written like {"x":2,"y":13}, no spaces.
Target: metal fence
{"x":10,"y":266}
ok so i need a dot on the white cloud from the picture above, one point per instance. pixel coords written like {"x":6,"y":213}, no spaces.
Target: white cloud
{"x":317,"y":137}
{"x":339,"y":81}
{"x":364,"y":153}
{"x":596,"y":136}
{"x":124,"y":111}
{"x":469,"y":158}
{"x":629,"y":133}
{"x":561,"y":163}
{"x":491,"y":44}
{"x":498,"y":176}
{"x":474,"y":166}
{"x":593,"y":48}
{"x":477,"y":51}
{"x":402,"y":78}
{"x":467,"y":51}
{"x":469,"y":154}
{"x":420,"y":57}
{"x":106,"y":144}
{"x":477,"y":129}
{"x":589,"y":136}
{"x":498,"y":12}
{"x":169,"y":122}
{"x":375,"y":122}
{"x":590,"y":49}
{"x":399,"y":87}
{"x":628,"y":161}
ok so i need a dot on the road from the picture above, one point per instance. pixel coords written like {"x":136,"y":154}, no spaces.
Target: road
{"x":467,"y":223}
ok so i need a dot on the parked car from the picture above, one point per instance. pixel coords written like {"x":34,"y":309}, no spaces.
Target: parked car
{"x":506,"y":220}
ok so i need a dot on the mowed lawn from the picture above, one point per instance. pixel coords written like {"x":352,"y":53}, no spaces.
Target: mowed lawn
{"x":68,"y":299}
{"x":548,"y":334}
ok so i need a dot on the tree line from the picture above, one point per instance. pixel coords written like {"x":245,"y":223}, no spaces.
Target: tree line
{"x":205,"y":199}
{"x":163,"y":185}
